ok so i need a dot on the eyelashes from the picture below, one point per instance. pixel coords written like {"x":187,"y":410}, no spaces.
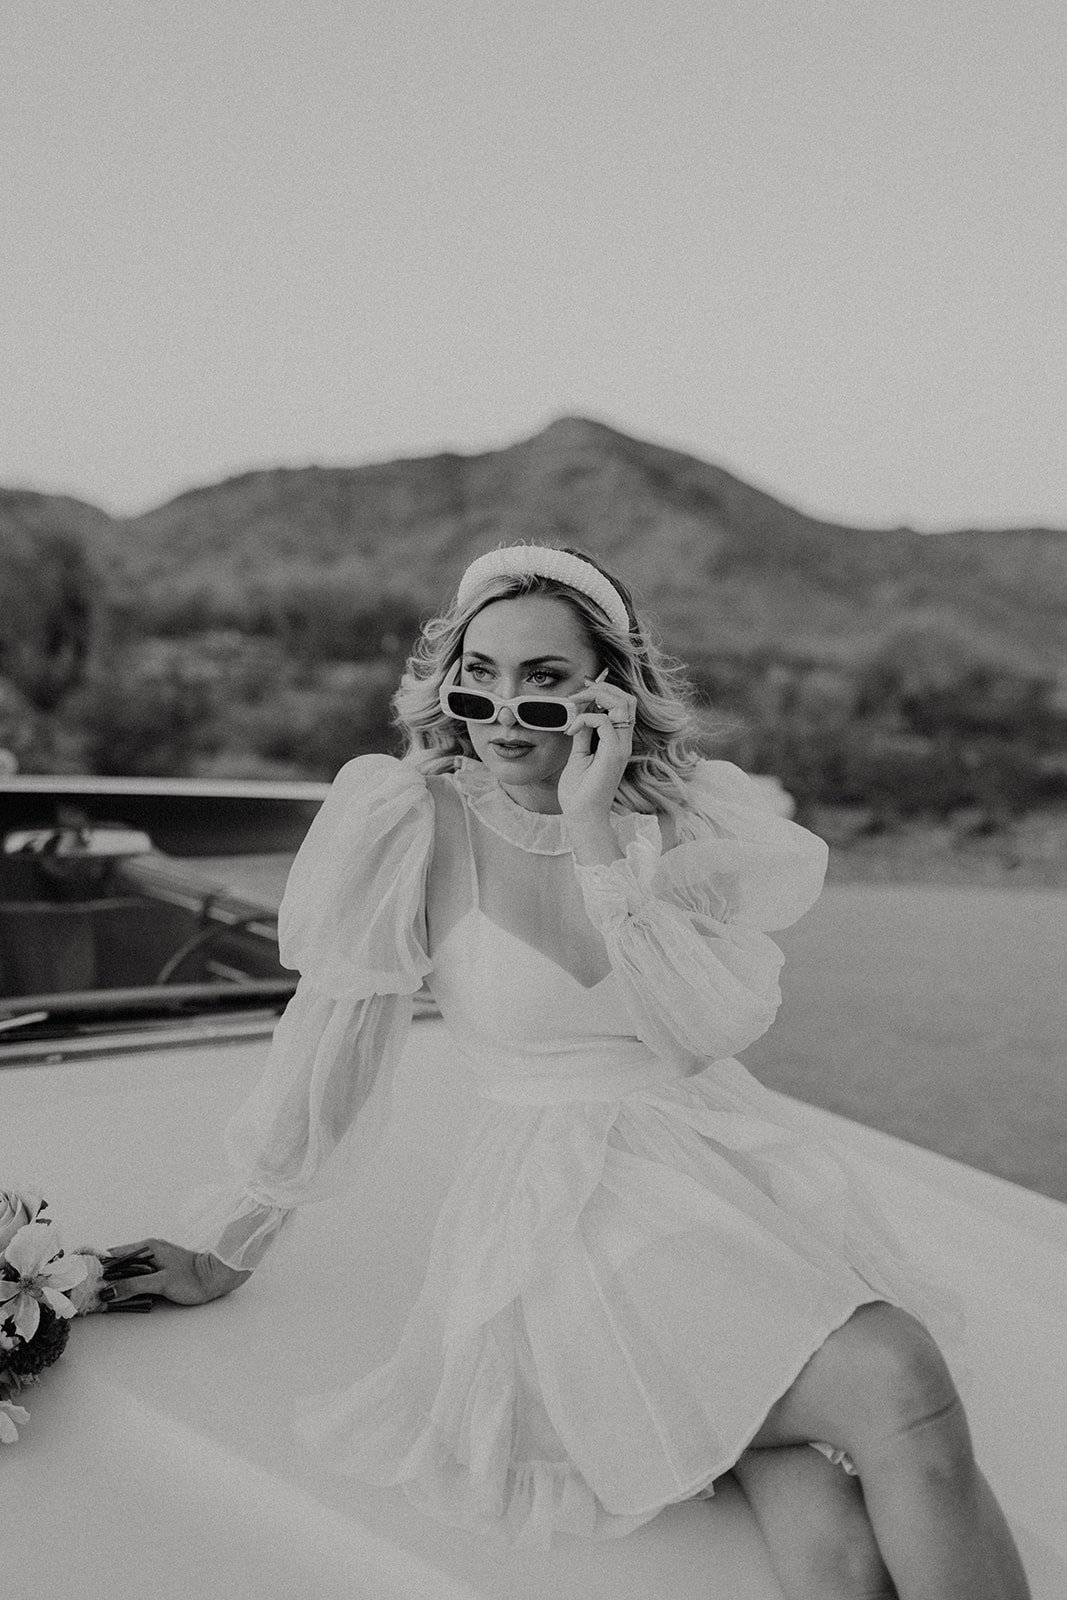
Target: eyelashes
{"x":542,"y":679}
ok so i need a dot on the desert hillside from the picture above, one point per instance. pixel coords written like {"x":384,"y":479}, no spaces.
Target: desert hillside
{"x":257,"y":626}
{"x":721,"y":564}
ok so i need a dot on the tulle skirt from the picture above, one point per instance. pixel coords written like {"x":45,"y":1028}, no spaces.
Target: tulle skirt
{"x":617,"y":1294}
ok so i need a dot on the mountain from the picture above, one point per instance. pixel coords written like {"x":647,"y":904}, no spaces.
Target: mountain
{"x":723,"y":567}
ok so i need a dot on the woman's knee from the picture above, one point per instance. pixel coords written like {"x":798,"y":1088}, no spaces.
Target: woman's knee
{"x":848,"y":1566}
{"x":878,"y":1384}
{"x":816,"y":1525}
{"x":840,"y":1560}
{"x":912,"y":1407}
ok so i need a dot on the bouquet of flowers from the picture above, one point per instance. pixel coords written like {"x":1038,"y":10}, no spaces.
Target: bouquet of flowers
{"x":41,"y":1289}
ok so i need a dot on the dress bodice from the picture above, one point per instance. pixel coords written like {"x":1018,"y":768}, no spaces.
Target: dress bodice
{"x":520,"y":974}
{"x":559,"y":981}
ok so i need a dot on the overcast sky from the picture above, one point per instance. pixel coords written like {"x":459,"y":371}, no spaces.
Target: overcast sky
{"x":822,"y":243}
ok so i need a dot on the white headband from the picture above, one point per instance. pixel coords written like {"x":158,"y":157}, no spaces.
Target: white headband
{"x":541,"y":561}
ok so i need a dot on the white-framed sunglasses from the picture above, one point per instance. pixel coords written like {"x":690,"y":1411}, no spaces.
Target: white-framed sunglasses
{"x":543,"y":712}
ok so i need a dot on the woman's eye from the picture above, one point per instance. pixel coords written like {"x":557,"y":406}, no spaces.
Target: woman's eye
{"x":476,"y":671}
{"x":544,"y":679}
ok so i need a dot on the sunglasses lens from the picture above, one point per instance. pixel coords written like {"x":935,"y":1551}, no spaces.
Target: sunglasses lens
{"x":470,"y":707}
{"x":543,"y":714}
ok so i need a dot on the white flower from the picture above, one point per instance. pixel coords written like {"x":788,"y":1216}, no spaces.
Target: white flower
{"x":10,"y":1414}
{"x":44,"y":1272}
{"x":15,"y":1211}
{"x":85,"y":1296}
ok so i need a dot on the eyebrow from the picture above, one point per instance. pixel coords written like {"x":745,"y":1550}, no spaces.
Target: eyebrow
{"x":534,"y":661}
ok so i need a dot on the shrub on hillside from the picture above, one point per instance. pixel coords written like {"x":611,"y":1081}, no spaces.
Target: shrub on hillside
{"x":135,"y":723}
{"x":47,"y":614}
{"x":318,"y":613}
{"x":315,"y":728}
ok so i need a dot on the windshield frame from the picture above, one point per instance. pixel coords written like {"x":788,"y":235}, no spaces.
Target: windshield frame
{"x":51,"y":1028}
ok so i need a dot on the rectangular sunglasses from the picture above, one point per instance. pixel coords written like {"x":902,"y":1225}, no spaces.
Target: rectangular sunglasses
{"x":541,"y":712}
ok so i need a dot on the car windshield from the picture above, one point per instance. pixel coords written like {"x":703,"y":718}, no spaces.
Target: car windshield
{"x":108,"y":943}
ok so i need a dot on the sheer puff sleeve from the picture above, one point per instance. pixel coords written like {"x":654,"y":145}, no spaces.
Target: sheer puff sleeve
{"x":352,"y":924}
{"x":686,"y":929}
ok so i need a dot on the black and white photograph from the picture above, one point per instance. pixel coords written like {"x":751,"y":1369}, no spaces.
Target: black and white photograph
{"x":533,"y":800}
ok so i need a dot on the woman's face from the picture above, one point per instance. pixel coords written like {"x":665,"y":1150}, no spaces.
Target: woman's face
{"x":529,"y":645}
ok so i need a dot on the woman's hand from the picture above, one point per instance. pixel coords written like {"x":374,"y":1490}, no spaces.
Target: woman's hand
{"x":589,"y":782}
{"x":153,"y":1267}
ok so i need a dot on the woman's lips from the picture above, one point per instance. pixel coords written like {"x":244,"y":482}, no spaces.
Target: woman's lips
{"x":511,"y":749}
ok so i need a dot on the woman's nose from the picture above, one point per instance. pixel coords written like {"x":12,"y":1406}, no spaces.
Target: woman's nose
{"x":506,"y":717}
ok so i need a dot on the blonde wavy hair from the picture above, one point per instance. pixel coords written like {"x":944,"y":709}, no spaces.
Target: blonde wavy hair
{"x":666,"y":731}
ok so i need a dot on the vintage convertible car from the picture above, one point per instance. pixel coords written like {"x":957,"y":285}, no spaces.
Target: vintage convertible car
{"x":112,"y":935}
{"x":139,"y":983}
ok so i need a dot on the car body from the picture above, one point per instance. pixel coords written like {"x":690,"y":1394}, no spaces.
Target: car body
{"x":159,"y":1454}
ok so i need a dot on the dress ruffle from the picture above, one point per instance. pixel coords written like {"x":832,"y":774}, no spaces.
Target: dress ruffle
{"x":581,"y":1352}
{"x":539,"y":833}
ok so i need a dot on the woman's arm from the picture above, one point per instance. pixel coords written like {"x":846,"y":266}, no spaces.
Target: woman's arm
{"x":684,"y":923}
{"x":352,"y":922}
{"x":697,"y":983}
{"x":293,"y":1140}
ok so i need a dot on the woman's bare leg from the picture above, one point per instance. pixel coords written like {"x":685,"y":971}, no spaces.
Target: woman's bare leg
{"x":879,"y":1389}
{"x":813,"y":1518}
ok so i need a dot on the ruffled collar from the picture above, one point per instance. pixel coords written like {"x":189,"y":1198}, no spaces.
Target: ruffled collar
{"x":542,"y":833}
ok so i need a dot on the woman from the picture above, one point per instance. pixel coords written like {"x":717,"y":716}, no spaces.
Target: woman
{"x":642,"y":1278}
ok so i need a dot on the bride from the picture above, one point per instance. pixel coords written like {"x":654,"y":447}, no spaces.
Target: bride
{"x":643,"y":1277}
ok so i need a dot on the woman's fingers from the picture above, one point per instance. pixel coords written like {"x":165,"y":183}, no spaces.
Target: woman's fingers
{"x":600,"y":682}
{"x":139,"y":1247}
{"x":129,"y":1269}
{"x":138,"y":1302}
{"x":118,"y":1290}
{"x":146,"y":1267}
{"x":604,"y":695}
{"x":615,"y":703}
{"x":128,"y":1266}
{"x":153,"y":1268}
{"x":583,"y":724}
{"x":581,"y":728}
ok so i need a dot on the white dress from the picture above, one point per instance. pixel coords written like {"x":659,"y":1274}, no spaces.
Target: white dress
{"x":638,"y":1253}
